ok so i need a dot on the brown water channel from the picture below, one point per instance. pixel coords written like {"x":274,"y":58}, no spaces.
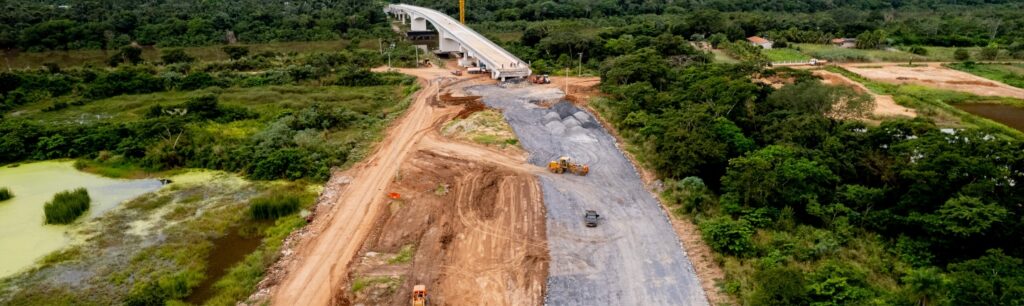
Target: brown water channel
{"x":227,"y":251}
{"x":1009,"y":115}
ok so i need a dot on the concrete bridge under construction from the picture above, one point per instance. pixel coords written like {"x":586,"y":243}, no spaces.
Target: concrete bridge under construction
{"x":455,"y":37}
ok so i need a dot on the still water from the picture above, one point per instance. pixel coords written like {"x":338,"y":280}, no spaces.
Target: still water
{"x":24,"y":238}
{"x":1009,"y":115}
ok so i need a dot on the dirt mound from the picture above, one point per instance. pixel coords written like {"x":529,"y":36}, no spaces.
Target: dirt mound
{"x":472,"y":104}
{"x":478,"y":232}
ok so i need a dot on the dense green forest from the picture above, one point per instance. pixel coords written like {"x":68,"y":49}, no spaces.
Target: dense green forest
{"x":806,"y":209}
{"x":110,"y":24}
{"x":939,"y":23}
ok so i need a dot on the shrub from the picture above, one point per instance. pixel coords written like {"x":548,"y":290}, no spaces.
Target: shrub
{"x":235,"y":52}
{"x":728,"y":236}
{"x":174,"y":56}
{"x":961,"y":54}
{"x":67,"y":206}
{"x":918,"y":50}
{"x":5,"y":194}
{"x":273,"y":206}
{"x":990,"y":52}
{"x":779,"y":286}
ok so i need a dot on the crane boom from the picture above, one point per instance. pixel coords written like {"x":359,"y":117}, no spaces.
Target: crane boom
{"x":462,"y":11}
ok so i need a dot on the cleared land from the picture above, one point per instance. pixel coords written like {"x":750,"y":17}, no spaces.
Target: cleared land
{"x":634,"y":256}
{"x":319,"y":266}
{"x":936,"y":76}
{"x":468,"y":223}
{"x":478,"y":231}
{"x":885,"y":106}
{"x":1011,"y":74}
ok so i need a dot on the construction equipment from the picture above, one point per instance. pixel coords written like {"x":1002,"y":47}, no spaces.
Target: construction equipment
{"x":419,"y":296}
{"x":590,"y":218}
{"x":457,"y":72}
{"x":540,"y":79}
{"x":563,"y":164}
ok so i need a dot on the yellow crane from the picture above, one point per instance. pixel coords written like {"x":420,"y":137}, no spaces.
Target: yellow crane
{"x":462,"y":11}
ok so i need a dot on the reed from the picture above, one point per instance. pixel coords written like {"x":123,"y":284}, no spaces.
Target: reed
{"x":5,"y":194}
{"x":274,"y":206}
{"x":67,"y":206}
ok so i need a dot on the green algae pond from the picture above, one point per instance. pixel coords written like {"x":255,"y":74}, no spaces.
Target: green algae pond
{"x":24,"y":238}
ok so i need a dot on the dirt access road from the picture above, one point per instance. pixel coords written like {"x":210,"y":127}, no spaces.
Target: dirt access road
{"x":935,"y":76}
{"x":320,"y":262}
{"x":634,"y":256}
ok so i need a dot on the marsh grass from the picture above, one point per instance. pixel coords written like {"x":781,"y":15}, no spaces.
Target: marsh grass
{"x":273,"y":206}
{"x":67,"y":206}
{"x":5,"y":194}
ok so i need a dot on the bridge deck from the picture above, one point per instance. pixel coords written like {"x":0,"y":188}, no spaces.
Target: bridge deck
{"x":495,"y":57}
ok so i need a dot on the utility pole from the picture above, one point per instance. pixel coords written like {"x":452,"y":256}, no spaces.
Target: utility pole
{"x":581,"y":65}
{"x":567,"y":80}
{"x":417,"y":50}
{"x":392,"y":48}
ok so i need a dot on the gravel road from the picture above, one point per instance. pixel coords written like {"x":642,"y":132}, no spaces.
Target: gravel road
{"x":633,"y":257}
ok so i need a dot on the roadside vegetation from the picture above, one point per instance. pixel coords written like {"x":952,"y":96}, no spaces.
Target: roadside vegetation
{"x":67,"y":206}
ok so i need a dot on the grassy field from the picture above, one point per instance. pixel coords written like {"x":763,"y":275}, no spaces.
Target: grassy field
{"x":268,"y":101}
{"x":785,"y":55}
{"x":935,"y":54}
{"x":1010,"y":73}
{"x":835,"y":54}
{"x":20,"y":60}
{"x":721,"y":57}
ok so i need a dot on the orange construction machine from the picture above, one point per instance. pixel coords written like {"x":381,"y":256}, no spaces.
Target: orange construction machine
{"x":563,"y":164}
{"x":540,"y":79}
{"x":419,"y":296}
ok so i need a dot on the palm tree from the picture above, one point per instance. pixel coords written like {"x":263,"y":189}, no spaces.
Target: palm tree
{"x":925,"y":285}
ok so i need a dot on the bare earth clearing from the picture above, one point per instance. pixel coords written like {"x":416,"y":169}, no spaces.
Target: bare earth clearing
{"x":885,"y":106}
{"x":474,"y":215}
{"x":469,"y":222}
{"x":935,"y":76}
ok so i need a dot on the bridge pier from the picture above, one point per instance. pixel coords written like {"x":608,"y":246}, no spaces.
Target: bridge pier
{"x":419,"y":24}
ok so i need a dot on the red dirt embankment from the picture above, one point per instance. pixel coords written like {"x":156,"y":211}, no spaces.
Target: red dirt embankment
{"x":479,"y":233}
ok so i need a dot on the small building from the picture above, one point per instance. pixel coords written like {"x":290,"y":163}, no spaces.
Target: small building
{"x":844,"y":42}
{"x":760,"y":41}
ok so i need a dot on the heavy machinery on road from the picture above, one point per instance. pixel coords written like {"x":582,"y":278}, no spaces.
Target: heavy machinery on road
{"x":419,"y":296}
{"x":563,"y":164}
{"x":590,"y":218}
{"x":540,"y":79}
